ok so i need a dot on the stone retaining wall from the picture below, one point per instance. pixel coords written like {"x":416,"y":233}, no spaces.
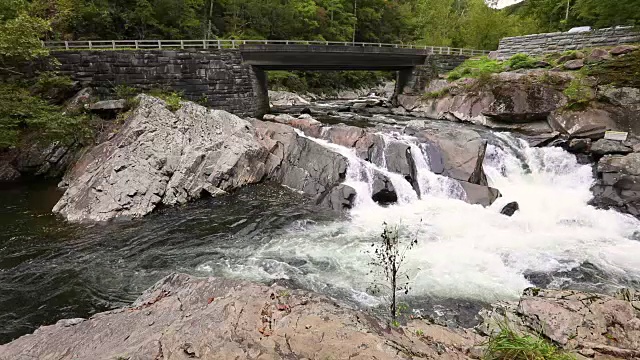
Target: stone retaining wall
{"x":217,"y":78}
{"x":540,"y":44}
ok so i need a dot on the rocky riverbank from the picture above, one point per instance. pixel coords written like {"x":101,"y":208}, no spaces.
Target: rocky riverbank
{"x":169,"y":157}
{"x":184,"y":317}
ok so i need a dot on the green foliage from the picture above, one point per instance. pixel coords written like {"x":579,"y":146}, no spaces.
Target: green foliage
{"x":579,"y":93}
{"x":419,"y":333}
{"x":173,"y":99}
{"x":325,"y":82}
{"x":437,"y":94}
{"x":521,"y":61}
{"x":509,"y":345}
{"x":476,"y":67}
{"x":20,"y":34}
{"x":22,"y":113}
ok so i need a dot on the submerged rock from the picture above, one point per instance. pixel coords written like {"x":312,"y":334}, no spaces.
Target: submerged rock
{"x":184,"y":317}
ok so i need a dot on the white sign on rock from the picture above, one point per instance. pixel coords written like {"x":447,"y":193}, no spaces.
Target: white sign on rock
{"x":616,"y":135}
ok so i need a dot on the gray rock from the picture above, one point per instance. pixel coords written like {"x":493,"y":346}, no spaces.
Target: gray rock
{"x":8,"y":173}
{"x":596,"y":56}
{"x":285,"y":98}
{"x":383,"y":190}
{"x":78,"y":102}
{"x":183,"y":317}
{"x":618,"y":186}
{"x":574,"y":64}
{"x":339,"y":198}
{"x":622,"y":49}
{"x":162,"y":157}
{"x":629,"y":164}
{"x":462,"y":149}
{"x":573,"y":320}
{"x":510,"y":209}
{"x":580,"y":145}
{"x":590,"y":122}
{"x":609,"y":147}
{"x":480,"y":194}
{"x":620,"y":96}
{"x":108,"y":105}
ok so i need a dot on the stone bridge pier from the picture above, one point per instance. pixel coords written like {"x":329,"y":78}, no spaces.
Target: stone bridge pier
{"x":235,"y":80}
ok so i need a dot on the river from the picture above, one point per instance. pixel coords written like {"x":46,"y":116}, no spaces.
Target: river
{"x":466,"y":255}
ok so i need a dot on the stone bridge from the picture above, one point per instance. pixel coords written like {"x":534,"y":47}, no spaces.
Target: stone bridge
{"x":234,"y":78}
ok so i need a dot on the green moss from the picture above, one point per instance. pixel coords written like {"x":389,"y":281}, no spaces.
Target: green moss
{"x":521,"y":61}
{"x":476,"y":67}
{"x":173,"y":99}
{"x":509,"y":345}
{"x":22,"y":113}
{"x":619,"y":71}
{"x":579,"y":93}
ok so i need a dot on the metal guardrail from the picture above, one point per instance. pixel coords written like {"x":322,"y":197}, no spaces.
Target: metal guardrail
{"x":235,"y":44}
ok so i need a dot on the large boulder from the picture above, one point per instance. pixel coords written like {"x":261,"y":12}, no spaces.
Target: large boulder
{"x":182,"y":317}
{"x":618,"y":186}
{"x":162,"y":157}
{"x":590,"y":122}
{"x":462,"y":149}
{"x":303,"y":164}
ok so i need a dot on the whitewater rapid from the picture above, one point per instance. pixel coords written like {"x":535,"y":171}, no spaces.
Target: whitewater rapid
{"x":464,"y":251}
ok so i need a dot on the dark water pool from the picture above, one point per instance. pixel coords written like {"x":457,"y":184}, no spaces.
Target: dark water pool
{"x":50,"y":269}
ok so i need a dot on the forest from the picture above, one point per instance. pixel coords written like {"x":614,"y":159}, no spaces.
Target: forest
{"x":457,"y":23}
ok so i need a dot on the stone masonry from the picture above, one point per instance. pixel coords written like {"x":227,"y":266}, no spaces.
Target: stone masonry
{"x":217,"y":78}
{"x":540,"y":44}
{"x":415,"y":80}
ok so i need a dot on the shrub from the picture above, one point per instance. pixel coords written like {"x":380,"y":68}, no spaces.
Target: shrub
{"x":172,"y":98}
{"x":521,"y":61}
{"x":437,"y":94}
{"x":22,"y":113}
{"x":388,"y":257}
{"x":473,"y":68}
{"x":509,"y":345}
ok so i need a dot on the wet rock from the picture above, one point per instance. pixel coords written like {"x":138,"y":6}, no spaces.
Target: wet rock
{"x":510,"y":209}
{"x":596,"y":56}
{"x":285,"y":98}
{"x":609,"y":147}
{"x":339,"y":198}
{"x":399,"y":160}
{"x":232,"y":319}
{"x":622,"y":49}
{"x":399,"y":111}
{"x":306,"y":111}
{"x":574,"y":64}
{"x":480,"y":194}
{"x":383,"y":190}
{"x":628,"y":165}
{"x":44,"y":159}
{"x":581,"y":145}
{"x":108,"y":105}
{"x":8,"y":173}
{"x":344,"y":109}
{"x":462,"y":149}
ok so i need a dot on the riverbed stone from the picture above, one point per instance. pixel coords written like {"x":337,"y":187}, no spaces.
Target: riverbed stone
{"x":183,"y":317}
{"x":285,"y":98}
{"x":574,"y":64}
{"x":609,"y":147}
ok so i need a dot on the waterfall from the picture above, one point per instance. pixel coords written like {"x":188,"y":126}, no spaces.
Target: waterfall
{"x":464,"y":251}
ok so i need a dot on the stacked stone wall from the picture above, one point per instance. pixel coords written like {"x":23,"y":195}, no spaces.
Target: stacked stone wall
{"x":540,"y":44}
{"x":217,"y":78}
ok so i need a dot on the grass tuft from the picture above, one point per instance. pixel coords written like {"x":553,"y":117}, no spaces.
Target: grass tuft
{"x":509,"y":345}
{"x":476,"y":67}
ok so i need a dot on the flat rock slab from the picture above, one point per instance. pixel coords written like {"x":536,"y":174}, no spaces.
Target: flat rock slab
{"x":183,"y":317}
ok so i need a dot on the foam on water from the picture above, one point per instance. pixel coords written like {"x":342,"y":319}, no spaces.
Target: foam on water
{"x":464,"y":251}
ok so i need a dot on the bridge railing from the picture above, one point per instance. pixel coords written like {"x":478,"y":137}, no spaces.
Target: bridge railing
{"x":235,"y":44}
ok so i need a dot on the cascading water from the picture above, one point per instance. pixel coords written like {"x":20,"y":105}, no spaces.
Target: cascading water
{"x":465,"y":251}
